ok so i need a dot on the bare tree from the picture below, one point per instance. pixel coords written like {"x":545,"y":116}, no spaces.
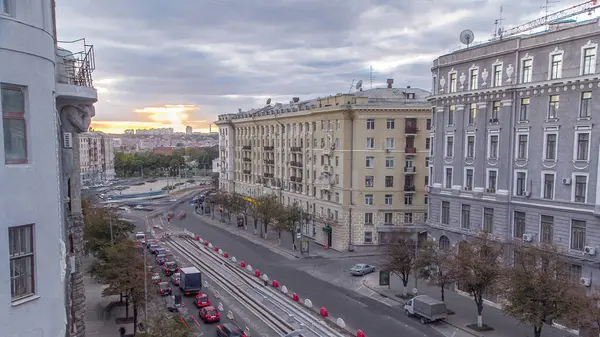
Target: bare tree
{"x":537,"y":287}
{"x":400,"y":259}
{"x":163,"y":324}
{"x":479,"y":266}
{"x":438,"y":265}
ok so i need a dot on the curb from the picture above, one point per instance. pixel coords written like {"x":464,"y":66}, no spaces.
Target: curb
{"x":364,"y":282}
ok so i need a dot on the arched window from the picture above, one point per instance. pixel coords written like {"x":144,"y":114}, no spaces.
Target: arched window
{"x":444,"y":242}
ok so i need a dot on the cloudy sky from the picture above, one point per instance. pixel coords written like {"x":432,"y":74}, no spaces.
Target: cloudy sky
{"x":183,"y":62}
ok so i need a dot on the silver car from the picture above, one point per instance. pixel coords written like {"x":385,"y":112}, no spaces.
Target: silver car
{"x":362,"y":269}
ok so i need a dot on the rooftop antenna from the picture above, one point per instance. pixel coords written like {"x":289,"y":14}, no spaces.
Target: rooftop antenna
{"x":359,"y":85}
{"x":466,"y":37}
{"x":351,"y":86}
{"x":268,"y":101}
{"x":498,"y":25}
{"x":546,"y":7}
{"x":371,"y":75}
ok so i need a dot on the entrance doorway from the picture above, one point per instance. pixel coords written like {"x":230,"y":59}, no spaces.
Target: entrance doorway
{"x":329,"y":239}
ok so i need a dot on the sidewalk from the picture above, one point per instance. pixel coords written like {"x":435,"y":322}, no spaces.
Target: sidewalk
{"x":463,"y":309}
{"x":316,"y":250}
{"x":99,"y":321}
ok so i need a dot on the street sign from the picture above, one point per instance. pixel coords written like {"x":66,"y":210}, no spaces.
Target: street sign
{"x":384,"y":278}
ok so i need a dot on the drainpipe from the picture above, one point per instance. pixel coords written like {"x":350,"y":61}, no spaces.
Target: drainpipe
{"x":53,"y":9}
{"x":351,"y":118}
{"x":512,"y":139}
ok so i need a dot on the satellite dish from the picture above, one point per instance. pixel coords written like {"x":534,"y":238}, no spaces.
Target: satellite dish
{"x":359,"y":84}
{"x":268,"y":101}
{"x":467,"y":37}
{"x":500,"y":32}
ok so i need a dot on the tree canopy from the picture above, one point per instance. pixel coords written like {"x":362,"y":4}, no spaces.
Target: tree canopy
{"x":153,"y":164}
{"x":99,"y":224}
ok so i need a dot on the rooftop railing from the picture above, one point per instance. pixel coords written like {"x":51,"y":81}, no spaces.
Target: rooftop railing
{"x":76,"y":62}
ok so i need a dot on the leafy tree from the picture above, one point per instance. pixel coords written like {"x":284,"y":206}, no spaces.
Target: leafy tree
{"x":215,"y":181}
{"x":282,"y":222}
{"x":479,"y":267}
{"x":267,"y":209}
{"x":163,"y":324}
{"x":99,"y":224}
{"x":438,"y":265}
{"x":294,"y":214}
{"x":537,"y":287}
{"x":400,"y":260}
{"x":585,"y":314}
{"x":220,"y":199}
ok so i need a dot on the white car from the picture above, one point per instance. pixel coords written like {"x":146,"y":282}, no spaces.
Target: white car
{"x":362,"y":269}
{"x":139,"y":207}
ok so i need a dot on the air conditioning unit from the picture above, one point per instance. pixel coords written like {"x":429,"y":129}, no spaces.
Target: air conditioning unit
{"x":67,"y":140}
{"x":585,"y":281}
{"x":588,"y":250}
{"x":526,"y":193}
{"x":527,"y":237}
{"x":566,"y":181}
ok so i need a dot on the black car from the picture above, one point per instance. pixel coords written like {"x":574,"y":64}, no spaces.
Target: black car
{"x":170,"y":267}
{"x":229,"y":330}
{"x":164,"y":288}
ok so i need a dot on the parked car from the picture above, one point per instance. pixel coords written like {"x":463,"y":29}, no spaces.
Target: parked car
{"x":156,"y":278}
{"x":175,"y":278}
{"x":362,"y":269}
{"x":426,"y":308}
{"x":164,"y":288}
{"x":153,"y":247}
{"x":202,"y":300}
{"x":170,"y":267}
{"x":229,"y":330}
{"x":209,"y":314}
{"x":161,"y":259}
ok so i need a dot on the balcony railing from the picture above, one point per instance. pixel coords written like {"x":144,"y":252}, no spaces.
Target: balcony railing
{"x":409,"y":188}
{"x":75,"y":67}
{"x":411,"y":129}
{"x":296,"y":164}
{"x":269,"y":162}
{"x":247,"y":172}
{"x":410,"y":150}
{"x":246,"y":159}
{"x":409,"y":169}
{"x":298,"y":179}
{"x":269,"y":148}
{"x":292,"y":178}
{"x":296,"y":149}
{"x":246,"y":147}
{"x":268,"y":175}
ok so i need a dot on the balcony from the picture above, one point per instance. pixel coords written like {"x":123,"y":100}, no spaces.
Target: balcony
{"x":327,"y":168}
{"x":296,"y":164}
{"x":74,"y":71}
{"x":409,"y":188}
{"x":298,"y":179}
{"x":296,"y":149}
{"x":269,"y":148}
{"x":411,"y":129}
{"x":268,"y":175}
{"x":246,"y":147}
{"x":410,"y":150}
{"x":247,"y":172}
{"x":292,"y":178}
{"x":411,"y":169}
{"x":269,"y":162}
{"x":246,"y":159}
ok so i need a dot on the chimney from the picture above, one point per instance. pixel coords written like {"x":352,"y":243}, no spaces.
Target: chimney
{"x":390,"y":81}
{"x":296,"y":99}
{"x":408,"y":87}
{"x":239,"y":110}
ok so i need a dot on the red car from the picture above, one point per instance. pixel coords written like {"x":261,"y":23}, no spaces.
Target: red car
{"x":209,"y":314}
{"x":202,"y":300}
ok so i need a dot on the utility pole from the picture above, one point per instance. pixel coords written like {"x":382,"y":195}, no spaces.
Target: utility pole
{"x":145,"y":281}
{"x":112,"y":240}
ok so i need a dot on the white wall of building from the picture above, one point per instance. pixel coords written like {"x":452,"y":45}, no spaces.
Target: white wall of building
{"x":216,"y":165}
{"x":27,"y":60}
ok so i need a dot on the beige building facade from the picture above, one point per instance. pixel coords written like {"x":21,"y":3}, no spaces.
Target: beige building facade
{"x":96,"y":150}
{"x":356,"y":163}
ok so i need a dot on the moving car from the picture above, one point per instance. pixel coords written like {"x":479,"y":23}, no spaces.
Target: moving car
{"x":209,"y":314}
{"x":160,"y":250}
{"x":140,"y":237}
{"x":161,"y":259}
{"x":164,"y":288}
{"x":181,"y":214}
{"x":170,"y":268}
{"x":426,"y":308}
{"x":362,"y":269}
{"x":174,"y":302}
{"x":229,"y":330}
{"x":151,"y":242}
{"x":156,"y":278}
{"x":202,"y":300}
{"x":175,"y":278}
{"x":153,"y":247}
{"x":191,"y":280}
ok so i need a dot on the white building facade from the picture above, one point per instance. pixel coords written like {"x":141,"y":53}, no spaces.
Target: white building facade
{"x":97,"y":157}
{"x":42,"y":294}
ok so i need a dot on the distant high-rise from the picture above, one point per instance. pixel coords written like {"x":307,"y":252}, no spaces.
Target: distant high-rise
{"x":188,"y":130}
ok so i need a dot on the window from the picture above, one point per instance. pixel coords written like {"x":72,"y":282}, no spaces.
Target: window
{"x":431,"y":149}
{"x":427,"y":162}
{"x":550,"y":146}
{"x":580,"y":188}
{"x":408,"y":200}
{"x":527,"y":73}
{"x":370,"y":162}
{"x":578,"y":234}
{"x":445,"y":213}
{"x":556,"y":66}
{"x":388,"y":218}
{"x":21,"y":255}
{"x":465,"y":217}
{"x":474,"y":78}
{"x":546,"y":232}
{"x":448,"y":178}
{"x":370,"y":124}
{"x":337,"y":124}
{"x":588,"y":65}
{"x":585,"y":107}
{"x":388,"y":199}
{"x":368,"y":199}
{"x":470,"y":150}
{"x":370,"y":143}
{"x":389,"y":162}
{"x":389,"y":181}
{"x":369,"y":218}
{"x":488,"y":220}
{"x":468,"y":179}
{"x":368,"y":237}
{"x":13,"y":121}
{"x":524,"y":111}
{"x":553,"y":107}
{"x":548,"y":185}
{"x":518,"y":224}
{"x":390,"y":143}
{"x":492,"y":181}
{"x":4,"y":7}
{"x":522,"y":141}
{"x":493,"y":147}
{"x":495,"y":110}
{"x":521,"y":183}
{"x":452,"y":84}
{"x":582,"y":150}
{"x":337,"y":161}
{"x":369,"y":180}
{"x":428,"y":125}
{"x":472,"y":113}
{"x":427,"y":143}
{"x":426,"y":200}
{"x":498,"y":75}
{"x":451,"y":115}
{"x":449,"y":146}
{"x":390,"y":124}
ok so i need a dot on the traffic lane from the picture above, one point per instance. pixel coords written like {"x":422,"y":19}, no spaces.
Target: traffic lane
{"x":359,"y":312}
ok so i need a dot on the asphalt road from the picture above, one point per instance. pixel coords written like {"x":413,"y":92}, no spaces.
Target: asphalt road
{"x":359,"y":312}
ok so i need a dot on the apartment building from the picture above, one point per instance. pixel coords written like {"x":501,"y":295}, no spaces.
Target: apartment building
{"x":515,"y":143}
{"x":356,"y":163}
{"x":97,"y":157}
{"x":45,"y":99}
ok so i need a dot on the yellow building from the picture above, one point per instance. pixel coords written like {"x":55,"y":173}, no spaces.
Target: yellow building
{"x":356,"y":163}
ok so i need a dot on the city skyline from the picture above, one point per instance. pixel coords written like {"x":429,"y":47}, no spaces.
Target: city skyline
{"x":229,"y":59}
